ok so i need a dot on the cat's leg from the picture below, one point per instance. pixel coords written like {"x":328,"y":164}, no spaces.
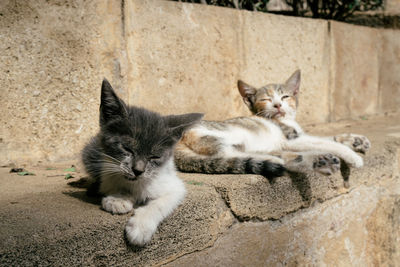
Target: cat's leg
{"x":116,"y":204}
{"x":303,"y":162}
{"x":211,"y":146}
{"x":255,"y":155}
{"x":288,"y":131}
{"x":311,"y":143}
{"x":324,"y":163}
{"x":228,"y":159}
{"x":356,"y":142}
{"x":141,"y":227}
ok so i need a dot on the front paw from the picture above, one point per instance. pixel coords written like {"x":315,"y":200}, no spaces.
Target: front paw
{"x":289,"y":132}
{"x":116,"y":205}
{"x":326,"y":164}
{"x":357,"y":161}
{"x":139,"y":230}
{"x":356,"y":142}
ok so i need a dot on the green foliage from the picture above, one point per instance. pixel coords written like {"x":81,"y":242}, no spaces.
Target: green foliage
{"x":72,"y":169}
{"x":334,"y":9}
{"x":195,"y":183}
{"x":327,"y":9}
{"x":24,"y":173}
{"x":253,"y":5}
{"x":68,"y":176}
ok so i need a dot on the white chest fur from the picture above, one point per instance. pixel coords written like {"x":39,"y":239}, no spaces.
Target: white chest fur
{"x":144,"y":188}
{"x":266,"y":137}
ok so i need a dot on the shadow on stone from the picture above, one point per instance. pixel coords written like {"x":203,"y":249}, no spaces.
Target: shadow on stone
{"x":345,"y":171}
{"x":302,"y":183}
{"x":83,"y":182}
{"x":82,"y":195}
{"x":133,"y":248}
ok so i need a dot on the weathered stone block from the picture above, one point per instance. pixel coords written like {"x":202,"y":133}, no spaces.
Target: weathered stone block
{"x":174,"y":58}
{"x":275,"y":46}
{"x":389,"y":71}
{"x":53,"y":58}
{"x":183,"y":58}
{"x":354,"y":79}
{"x":346,"y":231}
{"x":64,"y":227}
{"x":392,"y":7}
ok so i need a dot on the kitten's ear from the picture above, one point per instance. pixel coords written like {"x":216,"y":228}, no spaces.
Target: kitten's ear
{"x":248,"y":93}
{"x":180,"y":123}
{"x":111,"y":106}
{"x":293,"y":83}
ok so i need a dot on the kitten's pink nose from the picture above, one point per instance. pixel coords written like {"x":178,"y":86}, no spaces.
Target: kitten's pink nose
{"x":139,"y":167}
{"x":277,"y":106}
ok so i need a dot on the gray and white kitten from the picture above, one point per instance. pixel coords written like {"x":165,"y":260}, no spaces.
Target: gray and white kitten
{"x":131,"y":160}
{"x":270,"y":136}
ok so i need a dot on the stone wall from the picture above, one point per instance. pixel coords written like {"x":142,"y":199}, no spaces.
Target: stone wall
{"x":174,"y":58}
{"x":53,"y":57}
{"x":392,"y":6}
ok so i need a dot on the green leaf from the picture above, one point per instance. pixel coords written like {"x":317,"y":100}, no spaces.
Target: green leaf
{"x":50,"y":169}
{"x":68,"y":176}
{"x":72,"y":169}
{"x":25,"y":173}
{"x":195,"y":183}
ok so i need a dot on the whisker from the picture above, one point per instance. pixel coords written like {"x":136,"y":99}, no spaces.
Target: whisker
{"x":264,"y":113}
{"x":108,"y":156}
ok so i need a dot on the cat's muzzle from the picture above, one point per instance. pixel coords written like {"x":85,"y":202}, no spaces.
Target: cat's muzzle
{"x":130,"y":177}
{"x":279,"y":114}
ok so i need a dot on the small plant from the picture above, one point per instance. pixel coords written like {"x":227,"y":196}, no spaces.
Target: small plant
{"x":326,"y":9}
{"x":332,"y":9}
{"x":195,"y":183}
{"x":68,"y":176}
{"x":72,"y":169}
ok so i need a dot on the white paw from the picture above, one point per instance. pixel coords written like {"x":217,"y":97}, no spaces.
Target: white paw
{"x":276,"y":160}
{"x":140,"y":229}
{"x":326,"y":164}
{"x":357,"y":161}
{"x":116,"y":205}
{"x":356,"y":142}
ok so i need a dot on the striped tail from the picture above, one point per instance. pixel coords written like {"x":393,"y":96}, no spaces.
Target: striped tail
{"x":188,"y":161}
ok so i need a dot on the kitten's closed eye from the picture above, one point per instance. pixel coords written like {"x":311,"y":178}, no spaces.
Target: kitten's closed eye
{"x":266,"y":99}
{"x":156,"y":160}
{"x":127,"y":149}
{"x":285,"y":96}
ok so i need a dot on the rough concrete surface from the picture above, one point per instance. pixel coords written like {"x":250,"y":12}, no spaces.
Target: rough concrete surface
{"x":275,"y":46}
{"x":226,"y":220}
{"x":355,"y":77}
{"x":392,"y":6}
{"x":190,"y":54}
{"x":174,"y":58}
{"x":389,"y":81}
{"x":54,"y":55}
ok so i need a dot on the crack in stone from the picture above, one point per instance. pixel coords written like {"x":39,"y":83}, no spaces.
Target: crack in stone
{"x":225,"y":197}
{"x":186,"y":254}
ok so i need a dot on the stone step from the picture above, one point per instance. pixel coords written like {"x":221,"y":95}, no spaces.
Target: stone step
{"x":226,"y":220}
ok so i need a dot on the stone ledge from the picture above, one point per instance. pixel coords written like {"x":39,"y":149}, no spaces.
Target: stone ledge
{"x":174,"y":58}
{"x":47,"y":222}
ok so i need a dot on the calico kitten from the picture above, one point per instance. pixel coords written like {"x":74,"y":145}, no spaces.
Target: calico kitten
{"x":131,"y":159}
{"x":270,"y":136}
